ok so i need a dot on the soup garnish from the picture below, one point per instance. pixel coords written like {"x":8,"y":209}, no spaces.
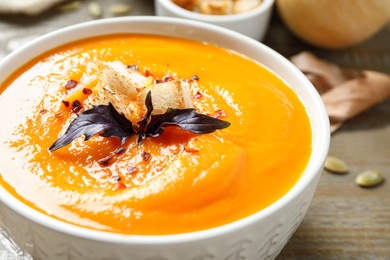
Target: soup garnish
{"x":105,"y":120}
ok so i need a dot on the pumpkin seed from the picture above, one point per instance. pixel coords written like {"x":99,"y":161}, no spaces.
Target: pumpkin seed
{"x":335,"y":165}
{"x":95,"y":10}
{"x":369,"y":178}
{"x":69,"y":6}
{"x":120,"y":9}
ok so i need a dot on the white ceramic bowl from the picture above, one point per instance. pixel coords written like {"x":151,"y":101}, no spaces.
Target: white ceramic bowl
{"x":253,"y":23}
{"x":259,"y":236}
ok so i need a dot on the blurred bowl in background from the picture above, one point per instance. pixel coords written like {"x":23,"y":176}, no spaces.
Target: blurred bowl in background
{"x":253,"y":23}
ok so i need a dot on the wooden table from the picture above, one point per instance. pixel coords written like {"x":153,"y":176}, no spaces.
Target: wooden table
{"x":344,"y":221}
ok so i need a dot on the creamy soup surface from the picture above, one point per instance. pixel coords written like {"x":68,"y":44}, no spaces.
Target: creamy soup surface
{"x":177,"y":182}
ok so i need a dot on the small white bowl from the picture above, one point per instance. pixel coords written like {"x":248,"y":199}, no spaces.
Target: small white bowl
{"x":253,"y":23}
{"x":259,"y":236}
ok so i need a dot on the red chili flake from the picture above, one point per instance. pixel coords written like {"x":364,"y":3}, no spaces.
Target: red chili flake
{"x":219,"y":113}
{"x":43,"y":111}
{"x":58,"y":114}
{"x":87,"y":91}
{"x":132,"y":67}
{"x":195,"y":77}
{"x":119,"y":185}
{"x":159,"y":169}
{"x":119,"y":150}
{"x":167,"y":78}
{"x":116,"y":177}
{"x":164,"y":79}
{"x":145,"y":156}
{"x":105,"y":161}
{"x":198,"y":95}
{"x":132,"y":169}
{"x":71,"y":84}
{"x":76,"y":106}
{"x":189,"y":149}
{"x":148,"y":73}
{"x":66,"y":103}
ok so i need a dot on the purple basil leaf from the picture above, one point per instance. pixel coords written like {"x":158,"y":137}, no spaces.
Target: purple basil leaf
{"x":103,"y":119}
{"x":187,"y":119}
{"x":106,"y":121}
{"x":145,"y":120}
{"x":122,"y":127}
{"x":149,"y":106}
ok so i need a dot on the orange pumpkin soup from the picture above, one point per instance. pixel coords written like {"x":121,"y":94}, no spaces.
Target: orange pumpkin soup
{"x":177,"y":182}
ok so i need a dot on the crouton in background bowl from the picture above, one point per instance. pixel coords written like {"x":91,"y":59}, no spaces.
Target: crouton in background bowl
{"x":249,"y":17}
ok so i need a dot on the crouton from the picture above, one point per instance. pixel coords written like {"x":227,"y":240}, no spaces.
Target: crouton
{"x":187,"y":4}
{"x":171,"y":94}
{"x":216,"y":7}
{"x":120,"y":86}
{"x":241,"y":6}
{"x":123,"y":81}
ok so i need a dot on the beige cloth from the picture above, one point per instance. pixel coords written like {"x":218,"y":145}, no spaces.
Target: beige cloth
{"x":345,"y":92}
{"x":29,"y":7}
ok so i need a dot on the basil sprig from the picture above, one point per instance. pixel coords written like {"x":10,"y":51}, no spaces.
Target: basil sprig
{"x":106,"y":121}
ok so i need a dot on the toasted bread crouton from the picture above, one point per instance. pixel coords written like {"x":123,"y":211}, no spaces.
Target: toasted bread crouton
{"x":120,"y":86}
{"x":216,"y":7}
{"x":171,"y":94}
{"x":241,"y":6}
{"x":124,"y":81}
{"x":122,"y":104}
{"x":187,"y":4}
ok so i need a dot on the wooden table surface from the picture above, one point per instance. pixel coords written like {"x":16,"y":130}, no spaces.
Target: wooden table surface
{"x":344,"y":221}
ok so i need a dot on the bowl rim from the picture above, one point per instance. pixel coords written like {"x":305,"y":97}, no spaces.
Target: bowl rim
{"x":312,"y":170}
{"x":264,"y":6}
